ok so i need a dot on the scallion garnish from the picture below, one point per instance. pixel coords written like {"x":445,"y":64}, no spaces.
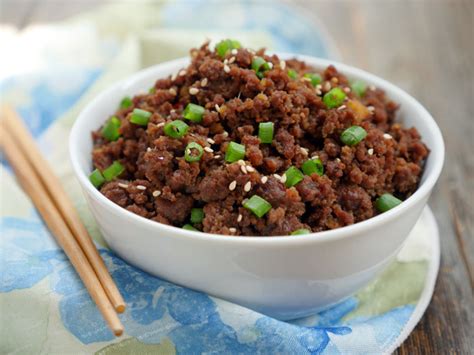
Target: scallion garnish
{"x":258,"y":205}
{"x":258,"y":63}
{"x":113,"y":171}
{"x":96,"y":178}
{"x":386,"y":202}
{"x":234,"y":152}
{"x":193,"y":112}
{"x":176,"y":129}
{"x":265,"y":132}
{"x":140,"y":117}
{"x":300,"y":231}
{"x":315,"y":78}
{"x":293,"y":176}
{"x":193,"y":152}
{"x":353,"y":135}
{"x":190,"y":228}
{"x":313,"y":166}
{"x":292,"y":74}
{"x":110,"y":131}
{"x":359,"y":87}
{"x":126,"y":102}
{"x":334,"y":98}
{"x":197,"y":215}
{"x":226,"y":45}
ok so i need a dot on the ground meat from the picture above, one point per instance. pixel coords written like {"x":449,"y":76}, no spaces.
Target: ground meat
{"x":158,"y":183}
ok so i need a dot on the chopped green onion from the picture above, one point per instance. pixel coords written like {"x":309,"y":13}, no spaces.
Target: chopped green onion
{"x":110,"y":131}
{"x":334,"y":98}
{"x":258,"y":63}
{"x":197,"y":215}
{"x":313,"y":166}
{"x":292,"y":74}
{"x":140,"y":117}
{"x":314,"y":78}
{"x":193,"y":112}
{"x":152,"y":90}
{"x":113,"y":171}
{"x":386,"y":202}
{"x":359,"y":87}
{"x":293,"y":176}
{"x":176,"y":129}
{"x":193,"y":152}
{"x":258,"y":205}
{"x":265,"y":132}
{"x":190,"y":228}
{"x":234,"y":152}
{"x":300,"y":231}
{"x":126,"y":102}
{"x":226,"y":45}
{"x":353,"y":135}
{"x":96,"y":178}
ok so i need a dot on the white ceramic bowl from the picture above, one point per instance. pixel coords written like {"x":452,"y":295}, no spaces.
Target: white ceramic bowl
{"x":284,"y":277}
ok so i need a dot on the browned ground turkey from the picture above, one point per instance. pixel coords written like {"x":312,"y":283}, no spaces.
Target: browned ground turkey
{"x":389,"y":160}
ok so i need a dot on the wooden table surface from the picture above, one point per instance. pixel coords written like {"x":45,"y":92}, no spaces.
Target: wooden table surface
{"x":427,"y":48}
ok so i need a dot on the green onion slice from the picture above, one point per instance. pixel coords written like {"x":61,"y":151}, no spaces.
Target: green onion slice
{"x":234,"y":152}
{"x":110,"y":131}
{"x":197,"y":215}
{"x":190,"y":228}
{"x":386,"y":202}
{"x":96,"y":178}
{"x":313,"y":166}
{"x":258,"y":63}
{"x":265,"y":132}
{"x":126,"y":102}
{"x":300,"y":231}
{"x":334,"y":98}
{"x":353,"y":135}
{"x":193,"y":152}
{"x":258,"y":205}
{"x":359,"y":87}
{"x":176,"y":129}
{"x":292,"y":74}
{"x":113,"y":171}
{"x":193,"y":112}
{"x":315,"y":78}
{"x":293,"y":176}
{"x":226,"y":45}
{"x":152,"y":90}
{"x":140,"y":117}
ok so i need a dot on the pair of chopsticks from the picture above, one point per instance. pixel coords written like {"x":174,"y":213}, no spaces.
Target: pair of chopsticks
{"x":43,"y":187}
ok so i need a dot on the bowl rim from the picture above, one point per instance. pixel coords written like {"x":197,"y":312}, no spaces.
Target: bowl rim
{"x":437,"y":154}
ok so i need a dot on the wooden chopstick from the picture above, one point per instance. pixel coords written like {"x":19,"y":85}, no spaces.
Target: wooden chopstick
{"x":26,"y":143}
{"x":54,"y":220}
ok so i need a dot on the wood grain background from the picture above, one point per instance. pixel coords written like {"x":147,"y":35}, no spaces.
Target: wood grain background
{"x":426,"y":47}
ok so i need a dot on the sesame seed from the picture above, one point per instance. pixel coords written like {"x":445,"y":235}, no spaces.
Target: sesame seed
{"x":193,"y":91}
{"x":160,"y":124}
{"x":141,"y":187}
{"x":283,"y":178}
{"x":370,"y":151}
{"x":148,"y":149}
{"x":226,"y":68}
{"x":327,"y":86}
{"x":217,"y":156}
{"x":276,"y":176}
{"x":248,"y":186}
{"x":338,"y":160}
{"x":304,"y":151}
{"x":270,"y":65}
{"x":226,"y":61}
{"x":232,"y":230}
{"x":387,"y":136}
{"x":244,"y":169}
{"x":232,"y":185}
{"x":371,"y":108}
{"x":124,"y":186}
{"x":241,"y":162}
{"x":234,"y":51}
{"x":172,"y":91}
{"x":217,"y":107}
{"x":174,"y":76}
{"x":156,"y":193}
{"x":334,"y":80}
{"x":371,"y":87}
{"x":282,"y":64}
{"x":264,"y":179}
{"x":342,"y":107}
{"x":315,"y":156}
{"x":210,"y":141}
{"x":208,"y":149}
{"x":182,"y":73}
{"x":239,"y":218}
{"x":204,"y":82}
{"x":250,"y":169}
{"x":231,"y":60}
{"x":225,"y":134}
{"x":319,"y":92}
{"x":172,"y":111}
{"x":347,"y":89}
{"x":319,"y":86}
